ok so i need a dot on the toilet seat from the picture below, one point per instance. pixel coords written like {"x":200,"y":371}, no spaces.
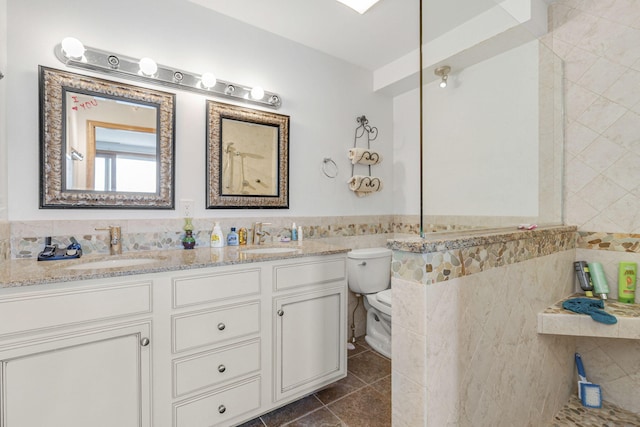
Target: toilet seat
{"x":383,"y":305}
{"x":384,"y":297}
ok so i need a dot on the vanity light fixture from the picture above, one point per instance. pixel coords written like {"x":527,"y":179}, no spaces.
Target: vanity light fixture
{"x":148,"y":67}
{"x":72,"y":47}
{"x":208,"y":80}
{"x":73,"y":53}
{"x":443,"y":73}
{"x":360,"y":6}
{"x":257,"y":92}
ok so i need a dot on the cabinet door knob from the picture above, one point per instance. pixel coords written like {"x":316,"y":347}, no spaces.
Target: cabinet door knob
{"x":144,"y":342}
{"x":280,"y":313}
{"x":222,"y":409}
{"x":221,"y":368}
{"x":221,"y":326}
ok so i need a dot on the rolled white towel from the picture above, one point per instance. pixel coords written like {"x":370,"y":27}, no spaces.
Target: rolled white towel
{"x":364,"y":156}
{"x":365,"y":185}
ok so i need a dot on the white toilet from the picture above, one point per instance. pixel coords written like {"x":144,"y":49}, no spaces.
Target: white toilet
{"x":369,"y":274}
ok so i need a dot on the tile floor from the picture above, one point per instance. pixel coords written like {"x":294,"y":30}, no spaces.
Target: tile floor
{"x":362,"y":399}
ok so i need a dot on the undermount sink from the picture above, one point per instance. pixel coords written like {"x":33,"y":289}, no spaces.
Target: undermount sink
{"x":259,"y":251}
{"x":112,"y":263}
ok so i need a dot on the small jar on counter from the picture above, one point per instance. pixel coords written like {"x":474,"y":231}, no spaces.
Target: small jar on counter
{"x":242,"y":236}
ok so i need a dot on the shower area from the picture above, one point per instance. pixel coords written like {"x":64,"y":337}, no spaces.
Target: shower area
{"x":465,"y":345}
{"x":492,"y":124}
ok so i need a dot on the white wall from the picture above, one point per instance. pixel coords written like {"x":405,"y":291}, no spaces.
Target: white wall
{"x":3,"y":106}
{"x":406,"y":160}
{"x":322,"y":95}
{"x":481,"y":138}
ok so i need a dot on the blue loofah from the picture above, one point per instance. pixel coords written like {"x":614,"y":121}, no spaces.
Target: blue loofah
{"x":592,"y":307}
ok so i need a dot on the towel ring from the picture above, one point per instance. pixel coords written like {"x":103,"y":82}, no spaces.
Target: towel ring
{"x":329,"y":167}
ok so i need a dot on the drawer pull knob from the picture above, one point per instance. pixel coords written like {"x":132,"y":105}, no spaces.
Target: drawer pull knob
{"x":280,"y":313}
{"x":144,"y":342}
{"x":221,"y":368}
{"x":221,"y":326}
{"x":222,"y":409}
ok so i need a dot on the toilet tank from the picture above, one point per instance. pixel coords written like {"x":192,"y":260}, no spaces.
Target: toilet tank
{"x":369,"y":270}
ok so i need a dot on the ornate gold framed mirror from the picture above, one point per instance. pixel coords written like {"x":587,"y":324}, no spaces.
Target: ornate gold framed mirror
{"x":104,"y":144}
{"x":247,"y":158}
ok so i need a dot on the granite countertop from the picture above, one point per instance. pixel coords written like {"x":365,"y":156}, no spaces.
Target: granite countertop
{"x":449,"y":240}
{"x":25,"y":272}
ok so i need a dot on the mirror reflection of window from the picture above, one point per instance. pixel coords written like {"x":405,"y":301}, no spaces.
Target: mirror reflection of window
{"x":111,"y":145}
{"x":125,"y":160}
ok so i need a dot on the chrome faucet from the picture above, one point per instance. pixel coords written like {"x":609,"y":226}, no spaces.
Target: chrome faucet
{"x":115,"y":239}
{"x":257,"y":234}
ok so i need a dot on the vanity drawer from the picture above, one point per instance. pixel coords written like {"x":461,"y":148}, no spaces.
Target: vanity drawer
{"x":309,"y":273}
{"x":218,"y":408}
{"x":207,"y":369}
{"x":66,"y":308}
{"x":202,"y":289}
{"x":202,"y":328}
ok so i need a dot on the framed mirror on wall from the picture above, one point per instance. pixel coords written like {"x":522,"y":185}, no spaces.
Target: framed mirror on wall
{"x":104,"y":144}
{"x":247,"y":158}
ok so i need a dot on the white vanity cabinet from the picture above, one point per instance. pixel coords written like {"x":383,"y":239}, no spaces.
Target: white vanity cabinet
{"x":310,"y":325}
{"x":217,"y":367}
{"x":76,"y":357}
{"x":201,"y":347}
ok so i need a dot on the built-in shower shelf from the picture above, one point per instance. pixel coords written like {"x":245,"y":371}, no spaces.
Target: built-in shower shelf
{"x":555,"y":320}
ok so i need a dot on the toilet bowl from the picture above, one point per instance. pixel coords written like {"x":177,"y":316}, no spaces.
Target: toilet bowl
{"x":369,"y":275}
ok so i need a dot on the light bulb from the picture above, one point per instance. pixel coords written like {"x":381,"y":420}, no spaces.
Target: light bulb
{"x":148,"y":66}
{"x":443,"y":73}
{"x":208,"y":80}
{"x":72,"y":47}
{"x":257,"y":92}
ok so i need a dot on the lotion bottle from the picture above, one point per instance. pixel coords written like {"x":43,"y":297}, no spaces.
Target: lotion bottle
{"x":217,"y":238}
{"x":294,"y":232}
{"x":600,"y":285}
{"x":232,"y":237}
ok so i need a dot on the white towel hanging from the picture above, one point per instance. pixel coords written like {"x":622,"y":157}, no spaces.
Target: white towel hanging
{"x":363,"y":185}
{"x":364,"y":156}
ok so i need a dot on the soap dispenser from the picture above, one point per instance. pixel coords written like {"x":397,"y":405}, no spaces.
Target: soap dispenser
{"x":217,"y":238}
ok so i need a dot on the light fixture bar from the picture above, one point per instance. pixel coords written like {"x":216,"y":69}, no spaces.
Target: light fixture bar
{"x":114,"y":63}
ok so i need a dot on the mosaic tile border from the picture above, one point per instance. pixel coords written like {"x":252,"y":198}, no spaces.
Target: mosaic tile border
{"x":449,"y":259}
{"x":28,"y":237}
{"x":617,"y":242}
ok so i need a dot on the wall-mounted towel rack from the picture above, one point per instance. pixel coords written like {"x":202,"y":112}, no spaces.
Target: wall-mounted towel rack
{"x":364,"y":132}
{"x":364,"y":185}
{"x":329,"y":167}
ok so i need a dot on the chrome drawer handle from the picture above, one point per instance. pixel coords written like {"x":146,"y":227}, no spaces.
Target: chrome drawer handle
{"x":222,"y":409}
{"x":221,"y":326}
{"x":221,"y":368}
{"x":280,"y":313}
{"x":144,"y":342}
